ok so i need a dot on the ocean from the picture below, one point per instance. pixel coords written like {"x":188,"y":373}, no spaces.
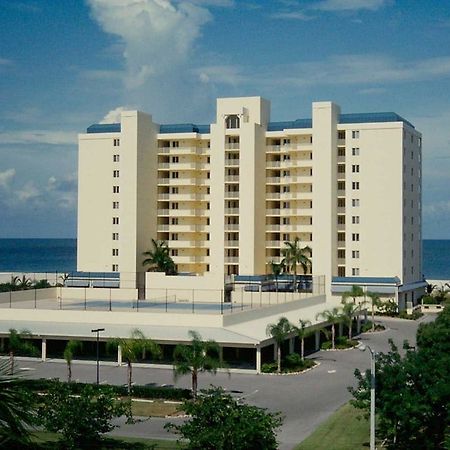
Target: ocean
{"x":60,"y":255}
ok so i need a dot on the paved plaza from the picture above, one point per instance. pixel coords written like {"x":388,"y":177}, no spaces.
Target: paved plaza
{"x":305,"y":400}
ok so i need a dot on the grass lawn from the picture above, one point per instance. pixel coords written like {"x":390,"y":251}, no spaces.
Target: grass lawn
{"x":342,"y":431}
{"x":156,"y":408}
{"x":46,"y":441}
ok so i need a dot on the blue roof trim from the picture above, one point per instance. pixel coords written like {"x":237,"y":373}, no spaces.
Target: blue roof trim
{"x":366,"y":280}
{"x":280,"y":126}
{"x":375,"y":117}
{"x":184,"y":128}
{"x":104,"y":128}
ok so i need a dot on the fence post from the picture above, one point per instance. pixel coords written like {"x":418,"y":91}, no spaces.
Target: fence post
{"x":221,"y":301}
{"x":166,"y":299}
{"x":35,"y":298}
{"x":85,"y":301}
{"x":10,"y":299}
{"x":193,"y":307}
{"x":110,"y":305}
{"x":242,"y":300}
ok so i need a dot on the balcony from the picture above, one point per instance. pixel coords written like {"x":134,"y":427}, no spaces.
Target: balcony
{"x":231,"y":244}
{"x":273,"y":212}
{"x":188,"y":243}
{"x":182,"y":150}
{"x":231,"y":227}
{"x":162,"y":227}
{"x":231,"y":162}
{"x":232,"y":146}
{"x":273,"y":227}
{"x":189,"y":259}
{"x":231,"y":211}
{"x":273,"y":148}
{"x":231,"y":259}
{"x":231,"y":178}
{"x":270,"y":164}
{"x":272,"y":195}
{"x":185,"y":228}
{"x":233,"y":194}
{"x":274,"y":244}
{"x":296,"y":196}
{"x":273,"y":180}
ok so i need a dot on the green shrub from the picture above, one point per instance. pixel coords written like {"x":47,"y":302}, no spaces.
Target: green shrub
{"x":429,"y":300}
{"x":292,"y":360}
{"x":269,"y":367}
{"x":416,"y":314}
{"x":326,"y":345}
{"x":341,"y":343}
{"x":367,"y":326}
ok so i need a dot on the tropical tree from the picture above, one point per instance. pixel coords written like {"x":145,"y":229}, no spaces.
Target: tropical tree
{"x":277,"y":270}
{"x":279,"y":332}
{"x":295,"y":255}
{"x":17,"y":411}
{"x":132,"y":349}
{"x":374,"y":301}
{"x":198,"y":356}
{"x":349,"y":311}
{"x":159,"y":259}
{"x":441,"y":293}
{"x":303,"y":331}
{"x":354,"y":293}
{"x":18,"y":342}
{"x":71,"y":348}
{"x":333,"y":317}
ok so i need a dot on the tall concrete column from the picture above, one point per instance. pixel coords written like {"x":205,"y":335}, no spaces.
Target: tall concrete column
{"x":221,"y":356}
{"x":44,"y":349}
{"x":317,"y":339}
{"x":258,"y":359}
{"x":275,"y":351}
{"x":341,"y":329}
{"x":291,"y":345}
{"x":119,"y":355}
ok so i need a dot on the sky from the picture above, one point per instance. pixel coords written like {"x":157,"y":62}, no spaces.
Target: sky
{"x":67,"y":64}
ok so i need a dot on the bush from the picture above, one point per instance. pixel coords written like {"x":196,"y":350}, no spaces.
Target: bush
{"x":292,"y":360}
{"x":269,"y":367}
{"x":429,"y":300}
{"x":341,"y":343}
{"x":416,"y":314}
{"x":367,"y":326}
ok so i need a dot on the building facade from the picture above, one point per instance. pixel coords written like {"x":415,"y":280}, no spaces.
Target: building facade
{"x":226,"y":196}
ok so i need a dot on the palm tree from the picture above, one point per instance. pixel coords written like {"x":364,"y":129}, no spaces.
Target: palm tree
{"x":303,"y":332}
{"x":159,"y":258}
{"x":295,"y":255}
{"x":18,"y":343}
{"x":198,"y":356}
{"x":332,"y":316}
{"x":277,"y":270}
{"x":375,"y":301}
{"x":132,"y":348}
{"x":355,"y":292}
{"x":17,"y":412}
{"x":279,"y":332}
{"x":349,"y":311}
{"x":71,"y":348}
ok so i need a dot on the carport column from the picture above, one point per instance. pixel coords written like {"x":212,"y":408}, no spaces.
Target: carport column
{"x":119,"y":355}
{"x":317,"y":339}
{"x":221,"y":356}
{"x":341,"y":328}
{"x":275,"y":351}
{"x":44,"y":349}
{"x":258,"y":359}
{"x":291,"y":345}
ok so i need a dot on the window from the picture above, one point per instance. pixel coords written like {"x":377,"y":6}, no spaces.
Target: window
{"x":115,"y":205}
{"x":341,"y":219}
{"x":208,"y":159}
{"x":115,"y":189}
{"x":115,"y":221}
{"x":341,"y":237}
{"x":355,"y":134}
{"x":232,"y":121}
{"x":341,"y":151}
{"x":355,"y":168}
{"x":412,"y":188}
{"x":115,"y":173}
{"x":355,"y":151}
{"x":286,"y":189}
{"x":174,"y":236}
{"x":174,"y":174}
{"x":355,"y":271}
{"x":207,"y":267}
{"x":285,"y":237}
{"x":207,"y":221}
{"x":341,"y":253}
{"x":174,"y":221}
{"x":207,"y":252}
{"x":341,"y":271}
{"x":207,"y":236}
{"x":355,"y":202}
{"x":355,"y":237}
{"x":116,"y":142}
{"x":174,"y":144}
{"x":355,"y":254}
{"x":175,"y":159}
{"x":207,"y":205}
{"x":115,"y":267}
{"x":115,"y":252}
{"x":115,"y":236}
{"x":286,"y":204}
{"x":174,"y":205}
{"x":208,"y":175}
{"x":116,"y":158}
{"x":341,"y":185}
{"x":208,"y":190}
{"x":174,"y":190}
{"x":285,"y":220}
{"x":341,"y":202}
{"x":355,"y":185}
{"x":341,"y":168}
{"x":355,"y":219}
{"x":341,"y":134}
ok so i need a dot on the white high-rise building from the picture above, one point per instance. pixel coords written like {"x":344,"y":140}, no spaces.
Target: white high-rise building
{"x":226,"y":196}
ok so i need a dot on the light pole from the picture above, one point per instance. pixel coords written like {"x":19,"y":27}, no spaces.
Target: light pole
{"x":98,"y":330}
{"x":372,"y":395}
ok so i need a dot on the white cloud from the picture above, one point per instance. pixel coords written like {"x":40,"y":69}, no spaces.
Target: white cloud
{"x":291,"y":15}
{"x":28,"y":192}
{"x":372,"y":91}
{"x":6,"y":177}
{"x":113,"y":116}
{"x":221,"y":74}
{"x":350,"y":5}
{"x":38,"y":137}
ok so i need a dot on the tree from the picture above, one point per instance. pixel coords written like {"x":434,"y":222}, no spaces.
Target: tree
{"x":218,"y":421}
{"x":159,"y":259}
{"x":412,"y":391}
{"x":199,"y":356}
{"x":349,"y":311}
{"x":21,"y":283}
{"x":279,"y":332}
{"x":303,"y":331}
{"x":332,"y":316}
{"x":355,"y":292}
{"x":295,"y":255}
{"x":81,"y":419}
{"x":17,"y":410}
{"x":133,"y":348}
{"x":71,"y":348}
{"x":277,"y":270}
{"x":374,"y":301}
{"x":18,"y":342}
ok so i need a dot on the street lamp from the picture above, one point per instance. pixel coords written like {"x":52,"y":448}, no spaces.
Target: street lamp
{"x":372,"y":394}
{"x":98,"y":330}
